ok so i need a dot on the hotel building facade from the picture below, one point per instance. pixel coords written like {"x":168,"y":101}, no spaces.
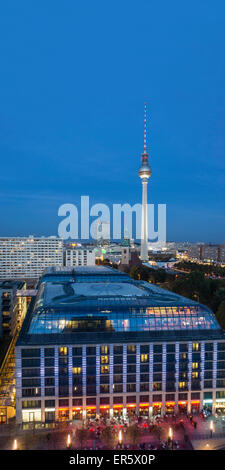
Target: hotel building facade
{"x":96,"y":342}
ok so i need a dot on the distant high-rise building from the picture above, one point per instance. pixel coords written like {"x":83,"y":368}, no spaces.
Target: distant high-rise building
{"x":28,"y":257}
{"x":79,"y":256}
{"x":144,"y":172}
{"x":102,"y":232}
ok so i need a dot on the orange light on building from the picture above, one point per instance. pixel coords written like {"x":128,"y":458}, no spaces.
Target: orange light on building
{"x":90,"y":407}
{"x":144,"y":405}
{"x":63,"y":409}
{"x":131,"y":405}
{"x":157,"y":403}
{"x":77,"y":408}
{"x":117,"y":406}
{"x":182,"y":402}
{"x":170,"y":403}
{"x":195,"y":402}
{"x":104,"y":407}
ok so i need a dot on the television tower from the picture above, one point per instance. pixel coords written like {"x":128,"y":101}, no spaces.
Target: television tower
{"x":144,"y":172}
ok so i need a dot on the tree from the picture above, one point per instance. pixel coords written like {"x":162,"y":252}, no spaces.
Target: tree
{"x":220,"y":314}
{"x":82,"y":435}
{"x":107,"y":436}
{"x":134,"y":434}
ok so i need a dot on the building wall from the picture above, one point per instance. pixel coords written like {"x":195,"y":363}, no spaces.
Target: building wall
{"x":79,"y":257}
{"x":13,"y":309}
{"x":29,"y":257}
{"x":67,"y":382}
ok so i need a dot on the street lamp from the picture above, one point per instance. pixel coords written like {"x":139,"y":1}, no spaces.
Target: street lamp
{"x":15,"y":447}
{"x":68,"y":441}
{"x":211,"y":428}
{"x":170,"y":437}
{"x":120,"y":437}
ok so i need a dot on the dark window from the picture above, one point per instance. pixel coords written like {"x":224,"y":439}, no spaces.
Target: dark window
{"x":195,"y":395}
{"x":144,"y":387}
{"x":49,"y":403}
{"x":63,"y":391}
{"x":49,"y":352}
{"x":170,"y":396}
{"x":131,"y":399}
{"x":30,"y":372}
{"x":31,"y":352}
{"x":157,"y":348}
{"x":157,"y":398}
{"x":118,"y":359}
{"x":208,"y":346}
{"x":104,"y":400}
{"x":183,"y":347}
{"x":91,"y":401}
{"x":31,"y":382}
{"x":170,"y":348}
{"x":63,"y":402}
{"x":157,"y":357}
{"x":208,"y":356}
{"x":131,"y":359}
{"x":49,"y":381}
{"x":77,"y":351}
{"x":117,"y":400}
{"x":144,"y":349}
{"x":91,"y":351}
{"x":77,"y":401}
{"x":91,"y":361}
{"x":208,"y":383}
{"x":30,"y":362}
{"x":118,"y":349}
{"x":49,"y":362}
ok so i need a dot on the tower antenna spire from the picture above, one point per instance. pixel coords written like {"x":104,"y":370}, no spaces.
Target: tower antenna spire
{"x":145,"y":146}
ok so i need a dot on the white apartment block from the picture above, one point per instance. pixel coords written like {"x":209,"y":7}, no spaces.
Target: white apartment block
{"x":79,"y":256}
{"x":28,"y":257}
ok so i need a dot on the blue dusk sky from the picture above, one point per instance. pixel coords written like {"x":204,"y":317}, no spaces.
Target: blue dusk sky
{"x":73,"y":82}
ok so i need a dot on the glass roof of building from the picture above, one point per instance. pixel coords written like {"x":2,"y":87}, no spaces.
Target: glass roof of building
{"x":103,"y":299}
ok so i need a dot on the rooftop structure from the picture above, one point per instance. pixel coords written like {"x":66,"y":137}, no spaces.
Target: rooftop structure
{"x":104,"y":301}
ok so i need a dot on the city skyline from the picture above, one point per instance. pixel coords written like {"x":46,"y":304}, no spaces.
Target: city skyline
{"x":58,"y":124}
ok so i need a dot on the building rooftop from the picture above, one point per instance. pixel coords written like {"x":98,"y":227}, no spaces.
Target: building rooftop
{"x":99,"y":302}
{"x":11,"y":284}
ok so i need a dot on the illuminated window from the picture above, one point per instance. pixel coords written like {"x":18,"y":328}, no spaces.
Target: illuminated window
{"x":77,"y":370}
{"x":104,"y":349}
{"x":144,"y":357}
{"x":195,"y":375}
{"x":195,"y":346}
{"x":131,"y":348}
{"x":182,"y":385}
{"x":63,"y":351}
{"x":195,"y":365}
{"x":104,"y":359}
{"x":104,"y":369}
{"x":183,"y":356}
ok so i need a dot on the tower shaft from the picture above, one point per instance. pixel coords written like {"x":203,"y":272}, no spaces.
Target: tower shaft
{"x":144,"y":222}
